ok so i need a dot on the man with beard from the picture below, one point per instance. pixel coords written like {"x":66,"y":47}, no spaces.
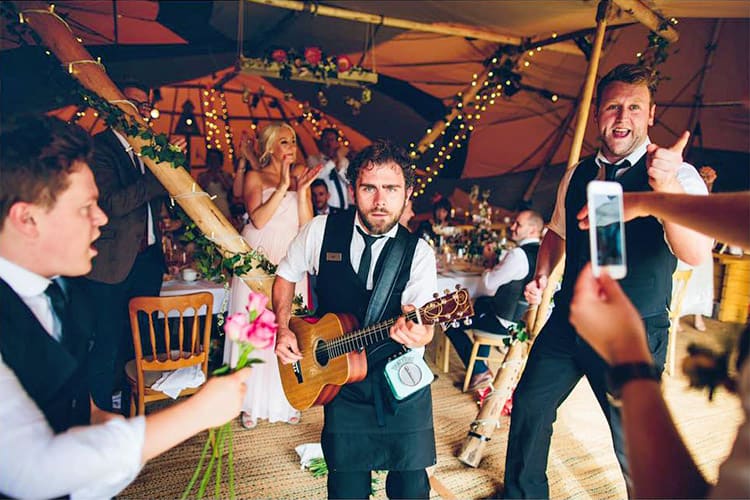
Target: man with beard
{"x":366,"y":428}
{"x":560,"y":357}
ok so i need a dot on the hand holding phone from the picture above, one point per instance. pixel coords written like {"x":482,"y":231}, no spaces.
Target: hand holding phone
{"x":606,"y":228}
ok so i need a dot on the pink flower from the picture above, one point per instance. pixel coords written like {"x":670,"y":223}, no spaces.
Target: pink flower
{"x":278,"y":55}
{"x":237,"y":328}
{"x":313,"y":55}
{"x":256,"y":304}
{"x":263,"y":330}
{"x":343,"y":63}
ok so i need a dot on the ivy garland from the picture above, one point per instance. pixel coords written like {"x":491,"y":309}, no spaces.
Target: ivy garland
{"x":209,"y":259}
{"x":518,"y":333}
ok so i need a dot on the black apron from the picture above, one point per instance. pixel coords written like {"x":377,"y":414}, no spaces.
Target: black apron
{"x":365,"y":427}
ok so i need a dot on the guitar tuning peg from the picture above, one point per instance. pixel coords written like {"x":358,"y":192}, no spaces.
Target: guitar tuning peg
{"x":458,"y":287}
{"x":467,"y":322}
{"x":435,"y":295}
{"x":455,"y":323}
{"x":446,"y":291}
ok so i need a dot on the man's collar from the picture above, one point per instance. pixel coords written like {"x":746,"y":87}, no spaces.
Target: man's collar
{"x":632,"y":157}
{"x":390,"y":234}
{"x":24,"y":282}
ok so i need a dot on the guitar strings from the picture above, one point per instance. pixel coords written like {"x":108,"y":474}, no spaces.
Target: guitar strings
{"x":338,"y":346}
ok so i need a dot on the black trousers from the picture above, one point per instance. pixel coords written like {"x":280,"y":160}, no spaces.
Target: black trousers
{"x":398,"y":484}
{"x":557,"y":361}
{"x":113,"y":340}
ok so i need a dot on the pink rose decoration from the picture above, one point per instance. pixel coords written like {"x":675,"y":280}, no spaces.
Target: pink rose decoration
{"x":278,"y":55}
{"x":263,"y":330}
{"x":343,"y":63}
{"x":313,"y":55}
{"x":237,"y":328}
{"x":256,"y":304}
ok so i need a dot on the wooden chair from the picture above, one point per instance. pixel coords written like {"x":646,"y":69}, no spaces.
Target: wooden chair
{"x":481,"y":338}
{"x":679,"y":285}
{"x":188,"y":348}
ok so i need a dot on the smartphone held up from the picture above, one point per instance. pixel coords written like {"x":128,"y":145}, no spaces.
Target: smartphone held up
{"x":606,"y":228}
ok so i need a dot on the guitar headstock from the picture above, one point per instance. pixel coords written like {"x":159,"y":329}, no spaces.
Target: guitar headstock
{"x":450,"y":307}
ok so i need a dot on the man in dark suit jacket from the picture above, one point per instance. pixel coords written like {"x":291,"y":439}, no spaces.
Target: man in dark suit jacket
{"x":320,"y":197}
{"x":130,"y":261}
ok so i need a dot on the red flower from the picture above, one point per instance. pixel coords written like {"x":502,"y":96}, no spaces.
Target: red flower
{"x":278,"y":55}
{"x":313,"y":55}
{"x":343,"y":63}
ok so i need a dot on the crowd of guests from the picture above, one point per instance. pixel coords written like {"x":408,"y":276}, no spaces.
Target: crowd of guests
{"x":331,"y":225}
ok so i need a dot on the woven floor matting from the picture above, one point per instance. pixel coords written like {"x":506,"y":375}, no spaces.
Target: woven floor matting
{"x":581,"y":462}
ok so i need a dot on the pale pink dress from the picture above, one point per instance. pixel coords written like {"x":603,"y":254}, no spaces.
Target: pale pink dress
{"x":265,"y":397}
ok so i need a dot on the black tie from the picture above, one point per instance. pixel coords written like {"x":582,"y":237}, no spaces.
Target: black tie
{"x":610,"y":169}
{"x":136,"y":161}
{"x":334,"y":176}
{"x":57,"y":299}
{"x":364,"y":263}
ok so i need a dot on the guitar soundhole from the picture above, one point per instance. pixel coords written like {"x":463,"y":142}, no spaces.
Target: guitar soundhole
{"x":321,"y":353}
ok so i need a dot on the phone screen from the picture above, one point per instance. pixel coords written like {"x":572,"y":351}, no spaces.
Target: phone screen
{"x":609,"y":240}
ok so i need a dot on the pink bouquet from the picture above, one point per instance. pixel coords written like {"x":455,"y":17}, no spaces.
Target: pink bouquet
{"x":254,"y":329}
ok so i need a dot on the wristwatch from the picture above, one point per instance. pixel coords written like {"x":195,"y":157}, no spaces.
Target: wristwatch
{"x":619,"y":375}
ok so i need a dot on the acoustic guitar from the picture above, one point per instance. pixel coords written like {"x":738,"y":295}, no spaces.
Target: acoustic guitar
{"x":333,"y":349}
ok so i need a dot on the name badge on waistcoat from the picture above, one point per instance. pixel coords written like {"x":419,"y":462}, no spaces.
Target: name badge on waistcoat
{"x":333,"y":257}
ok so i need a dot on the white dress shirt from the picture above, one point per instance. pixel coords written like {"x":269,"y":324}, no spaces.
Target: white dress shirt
{"x":329,"y":165}
{"x":85,"y":462}
{"x":303,"y":257}
{"x":687,"y":176}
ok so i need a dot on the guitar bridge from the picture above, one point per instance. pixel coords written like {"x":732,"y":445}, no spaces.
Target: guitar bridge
{"x":297,"y":372}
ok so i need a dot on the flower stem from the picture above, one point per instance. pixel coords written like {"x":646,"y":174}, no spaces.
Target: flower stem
{"x":230,"y":462}
{"x":200,"y":466}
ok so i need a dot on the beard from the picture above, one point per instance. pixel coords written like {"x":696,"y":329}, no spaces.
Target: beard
{"x":382,"y":225}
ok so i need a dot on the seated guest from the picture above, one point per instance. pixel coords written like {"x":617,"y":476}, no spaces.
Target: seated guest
{"x":55,"y":441}
{"x":441,"y":211}
{"x":320,"y":197}
{"x":501,"y":293}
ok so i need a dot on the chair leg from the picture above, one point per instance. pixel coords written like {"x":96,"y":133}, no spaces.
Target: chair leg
{"x":470,"y":365}
{"x":442,"y":350}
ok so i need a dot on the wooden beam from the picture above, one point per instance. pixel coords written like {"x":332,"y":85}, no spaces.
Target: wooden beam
{"x":649,"y":18}
{"x":588,"y":85}
{"x":406,"y":24}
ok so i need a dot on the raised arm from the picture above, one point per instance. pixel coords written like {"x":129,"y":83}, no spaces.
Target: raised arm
{"x":303,"y":177}
{"x":605,"y":318}
{"x":261,"y":212}
{"x":724,"y":216}
{"x":663,"y":165}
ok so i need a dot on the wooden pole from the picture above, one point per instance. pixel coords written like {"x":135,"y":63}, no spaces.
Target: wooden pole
{"x":58,"y":37}
{"x":406,"y":24}
{"x":588,"y":85}
{"x":562,"y":132}
{"x":649,"y":18}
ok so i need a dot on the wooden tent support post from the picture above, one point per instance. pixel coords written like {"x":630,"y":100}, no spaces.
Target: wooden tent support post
{"x":698,"y":99}
{"x":488,"y":418}
{"x":649,"y":18}
{"x":58,"y":37}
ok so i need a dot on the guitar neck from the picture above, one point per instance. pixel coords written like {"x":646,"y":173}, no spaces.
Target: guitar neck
{"x":358,"y":340}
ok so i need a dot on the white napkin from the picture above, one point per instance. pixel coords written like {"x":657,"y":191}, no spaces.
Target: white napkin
{"x":307,"y":452}
{"x":172,"y":383}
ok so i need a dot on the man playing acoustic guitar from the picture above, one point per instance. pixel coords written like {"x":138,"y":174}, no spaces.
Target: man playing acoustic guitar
{"x":354,"y":255}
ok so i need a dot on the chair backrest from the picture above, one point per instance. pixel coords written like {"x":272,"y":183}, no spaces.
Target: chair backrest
{"x":680,"y":280}
{"x":169,"y":351}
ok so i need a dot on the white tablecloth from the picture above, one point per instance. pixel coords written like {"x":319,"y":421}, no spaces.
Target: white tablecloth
{"x":180,"y":287}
